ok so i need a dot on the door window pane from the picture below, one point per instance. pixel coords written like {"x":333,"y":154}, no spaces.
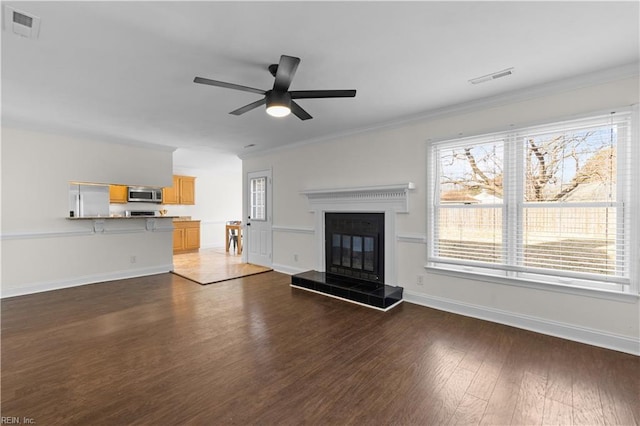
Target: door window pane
{"x":258,"y":198}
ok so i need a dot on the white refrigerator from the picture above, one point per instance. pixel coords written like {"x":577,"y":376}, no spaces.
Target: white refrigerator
{"x":88,"y":200}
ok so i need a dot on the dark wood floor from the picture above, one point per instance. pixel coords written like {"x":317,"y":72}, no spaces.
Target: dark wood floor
{"x":163,"y":350}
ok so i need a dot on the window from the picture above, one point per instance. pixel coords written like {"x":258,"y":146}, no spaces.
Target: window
{"x":548,"y":204}
{"x":258,"y":198}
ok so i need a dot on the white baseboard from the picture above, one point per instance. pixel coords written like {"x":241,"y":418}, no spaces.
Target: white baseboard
{"x":83,"y":280}
{"x":538,"y":325}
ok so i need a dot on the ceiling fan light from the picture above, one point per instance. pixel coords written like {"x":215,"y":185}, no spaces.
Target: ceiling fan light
{"x":278,"y":110}
{"x":278,"y":103}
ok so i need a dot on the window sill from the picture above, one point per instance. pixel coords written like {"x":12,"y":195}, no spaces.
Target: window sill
{"x":577,"y":291}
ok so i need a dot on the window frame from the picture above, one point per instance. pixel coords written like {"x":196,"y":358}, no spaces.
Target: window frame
{"x":258,"y":200}
{"x":514,"y":204}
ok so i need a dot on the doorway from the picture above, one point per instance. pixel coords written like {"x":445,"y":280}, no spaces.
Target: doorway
{"x":258,"y":232}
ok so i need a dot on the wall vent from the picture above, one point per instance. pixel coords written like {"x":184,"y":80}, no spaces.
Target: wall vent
{"x":492,"y":76}
{"x":21,"y":23}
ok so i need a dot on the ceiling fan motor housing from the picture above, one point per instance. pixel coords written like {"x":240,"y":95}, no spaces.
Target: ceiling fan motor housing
{"x":275,"y":98}
{"x":273,"y":69}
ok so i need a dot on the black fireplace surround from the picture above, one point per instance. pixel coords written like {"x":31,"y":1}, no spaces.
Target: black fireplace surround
{"x":354,"y":261}
{"x":354,"y":247}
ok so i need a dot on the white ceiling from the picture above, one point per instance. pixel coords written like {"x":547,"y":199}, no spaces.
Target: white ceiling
{"x":124,"y":70}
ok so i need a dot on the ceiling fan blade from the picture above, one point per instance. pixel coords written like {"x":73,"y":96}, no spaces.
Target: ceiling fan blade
{"x":286,"y":70}
{"x":299,"y":112}
{"x":228,"y":85}
{"x":310,"y":94}
{"x":249,"y":107}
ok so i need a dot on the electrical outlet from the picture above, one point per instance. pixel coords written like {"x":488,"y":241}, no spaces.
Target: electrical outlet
{"x":295,"y":257}
{"x":133,"y":259}
{"x":420,"y":280}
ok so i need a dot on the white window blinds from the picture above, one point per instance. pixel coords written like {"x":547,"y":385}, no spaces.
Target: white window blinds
{"x":550,"y":203}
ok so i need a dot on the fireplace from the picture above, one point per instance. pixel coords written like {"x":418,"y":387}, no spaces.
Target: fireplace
{"x":354,"y":247}
{"x":355,"y":240}
{"x":354,"y":260}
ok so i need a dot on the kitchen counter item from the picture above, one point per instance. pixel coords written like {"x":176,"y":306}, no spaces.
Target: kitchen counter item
{"x":145,"y":213}
{"x":144,"y":194}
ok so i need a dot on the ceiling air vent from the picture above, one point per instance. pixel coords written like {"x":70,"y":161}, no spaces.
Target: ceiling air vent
{"x":492,"y":76}
{"x":21,"y":23}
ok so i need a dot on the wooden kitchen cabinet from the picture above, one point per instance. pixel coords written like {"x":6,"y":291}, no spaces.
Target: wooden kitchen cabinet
{"x":178,"y":239}
{"x":183,"y":191}
{"x":118,"y":194}
{"x":170,"y":193}
{"x":186,"y":235}
{"x":187,"y":190}
{"x":192,"y":238}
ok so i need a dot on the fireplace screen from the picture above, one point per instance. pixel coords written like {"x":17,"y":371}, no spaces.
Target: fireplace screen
{"x":355,"y":245}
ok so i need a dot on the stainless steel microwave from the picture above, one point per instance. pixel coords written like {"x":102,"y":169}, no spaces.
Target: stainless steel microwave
{"x":144,"y":194}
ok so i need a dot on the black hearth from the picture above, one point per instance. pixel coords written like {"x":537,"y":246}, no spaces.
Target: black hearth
{"x":354,"y":262}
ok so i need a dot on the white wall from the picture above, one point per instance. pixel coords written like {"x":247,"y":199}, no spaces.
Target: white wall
{"x":41,"y":249}
{"x":398,"y":155}
{"x":218,"y":192}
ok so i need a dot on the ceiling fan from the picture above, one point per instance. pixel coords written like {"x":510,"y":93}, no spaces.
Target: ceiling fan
{"x":279,"y":100}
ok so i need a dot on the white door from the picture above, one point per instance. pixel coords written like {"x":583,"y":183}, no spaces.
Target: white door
{"x":258,"y":230}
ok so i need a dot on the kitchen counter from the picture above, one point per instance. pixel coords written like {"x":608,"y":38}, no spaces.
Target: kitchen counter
{"x":122,"y":217}
{"x":151,"y":223}
{"x":182,"y":218}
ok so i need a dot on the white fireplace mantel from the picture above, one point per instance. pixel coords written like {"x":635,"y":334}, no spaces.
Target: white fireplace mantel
{"x":382,"y":197}
{"x":387,"y":199}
